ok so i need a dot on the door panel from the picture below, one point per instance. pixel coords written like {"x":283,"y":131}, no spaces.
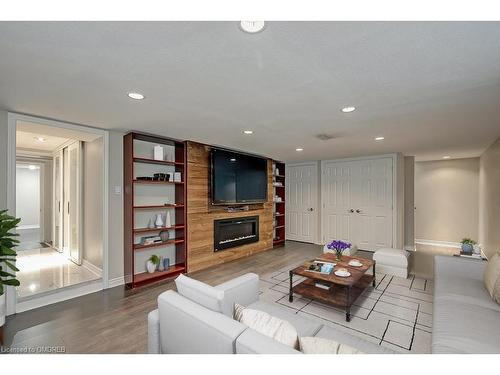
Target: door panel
{"x":301,"y":198}
{"x":58,"y":201}
{"x":75,"y":191}
{"x":362,"y":191}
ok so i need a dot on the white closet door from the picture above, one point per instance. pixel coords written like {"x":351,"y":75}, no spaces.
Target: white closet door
{"x":301,"y":202}
{"x":336,"y":197}
{"x":373,"y":204}
{"x":58,"y":201}
{"x":74,"y":204}
{"x":357,"y":201}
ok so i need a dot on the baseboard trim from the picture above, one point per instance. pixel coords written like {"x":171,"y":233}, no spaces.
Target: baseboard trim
{"x":92,"y":268}
{"x":59,"y":295}
{"x":438,"y":243}
{"x":117,"y":281}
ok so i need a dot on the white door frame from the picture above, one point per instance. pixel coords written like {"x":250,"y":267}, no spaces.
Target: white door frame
{"x":317,"y":232}
{"x":11,"y":189}
{"x":396,"y":209}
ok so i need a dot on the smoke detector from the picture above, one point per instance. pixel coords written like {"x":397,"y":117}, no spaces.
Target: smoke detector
{"x":325,"y":137}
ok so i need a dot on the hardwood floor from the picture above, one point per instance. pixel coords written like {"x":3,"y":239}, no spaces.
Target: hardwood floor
{"x":115,"y":320}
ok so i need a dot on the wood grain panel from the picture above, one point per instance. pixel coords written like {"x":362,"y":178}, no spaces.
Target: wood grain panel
{"x":201,"y":215}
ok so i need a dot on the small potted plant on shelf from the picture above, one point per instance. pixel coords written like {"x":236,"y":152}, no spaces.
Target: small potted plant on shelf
{"x":152,"y":263}
{"x":468,"y":246}
{"x":7,"y":258}
{"x":339,"y":247}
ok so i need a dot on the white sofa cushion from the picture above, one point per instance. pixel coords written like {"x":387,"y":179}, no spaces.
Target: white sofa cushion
{"x":358,"y":343}
{"x":319,"y":345}
{"x":268,"y":325}
{"x":492,"y":274}
{"x":303,"y":325}
{"x":199,"y":292}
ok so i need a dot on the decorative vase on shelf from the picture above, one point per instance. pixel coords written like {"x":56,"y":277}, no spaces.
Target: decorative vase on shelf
{"x":159,"y":221}
{"x":161,"y":267}
{"x":164,"y":235}
{"x":158,"y":152}
{"x":168,"y":222}
{"x":150,"y":266}
{"x":151,"y":223}
{"x":166,"y":263}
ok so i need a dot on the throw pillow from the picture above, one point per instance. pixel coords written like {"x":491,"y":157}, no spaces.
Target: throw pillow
{"x":268,"y":325}
{"x":492,"y":273}
{"x":318,"y":345}
{"x":199,"y":292}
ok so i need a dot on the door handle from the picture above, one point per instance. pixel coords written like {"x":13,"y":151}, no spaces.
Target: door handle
{"x":358,"y":211}
{"x":310,"y":209}
{"x":68,"y":208}
{"x":351,"y":210}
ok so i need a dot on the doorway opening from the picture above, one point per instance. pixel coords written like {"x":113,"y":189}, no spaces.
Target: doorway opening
{"x":59,"y":198}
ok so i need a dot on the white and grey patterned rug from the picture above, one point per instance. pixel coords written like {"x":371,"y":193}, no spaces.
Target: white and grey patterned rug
{"x":397,"y":313}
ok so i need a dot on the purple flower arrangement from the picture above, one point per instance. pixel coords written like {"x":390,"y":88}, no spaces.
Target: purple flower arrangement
{"x":339,"y":246}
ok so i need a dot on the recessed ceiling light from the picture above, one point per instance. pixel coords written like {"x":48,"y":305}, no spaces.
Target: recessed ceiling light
{"x":32,"y":167}
{"x":379,"y":138}
{"x":135,"y":95}
{"x":299,"y":149}
{"x":348,"y":109}
{"x":40,"y":139}
{"x":252,"y":27}
{"x":232,"y":159}
{"x":248,"y":131}
{"x":446,"y":157}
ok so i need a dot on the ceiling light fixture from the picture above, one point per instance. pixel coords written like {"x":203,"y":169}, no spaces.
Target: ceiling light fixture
{"x":232,"y":159}
{"x":248,"y":132}
{"x":348,"y":109}
{"x":446,"y":157}
{"x":32,"y":167}
{"x":379,"y":138}
{"x":299,"y":149}
{"x":252,"y":27}
{"x":135,"y":95}
{"x":40,"y":139}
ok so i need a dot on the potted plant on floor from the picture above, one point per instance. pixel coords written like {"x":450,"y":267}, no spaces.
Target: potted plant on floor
{"x":339,"y":247}
{"x":7,"y":258}
{"x":468,"y":246}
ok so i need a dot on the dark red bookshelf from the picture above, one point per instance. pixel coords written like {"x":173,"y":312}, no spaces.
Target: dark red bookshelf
{"x":138,"y":206}
{"x":279,"y":206}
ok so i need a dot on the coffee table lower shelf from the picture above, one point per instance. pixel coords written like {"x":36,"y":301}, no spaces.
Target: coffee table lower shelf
{"x":338,"y":295}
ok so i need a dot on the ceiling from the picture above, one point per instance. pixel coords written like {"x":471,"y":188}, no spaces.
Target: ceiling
{"x":28,"y":141}
{"x":27,"y":134}
{"x":431,"y":89}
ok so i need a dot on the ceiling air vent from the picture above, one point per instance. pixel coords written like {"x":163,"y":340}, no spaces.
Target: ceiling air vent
{"x":325,"y":137}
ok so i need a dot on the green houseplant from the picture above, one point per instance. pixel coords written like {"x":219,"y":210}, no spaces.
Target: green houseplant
{"x":7,"y":257}
{"x":468,"y":245}
{"x":152,"y":263}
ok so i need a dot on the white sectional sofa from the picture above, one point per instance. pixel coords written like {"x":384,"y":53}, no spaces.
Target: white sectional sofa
{"x":181,"y":325}
{"x":465,"y":318}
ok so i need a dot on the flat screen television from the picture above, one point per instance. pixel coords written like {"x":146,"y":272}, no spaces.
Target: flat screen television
{"x":237,"y":178}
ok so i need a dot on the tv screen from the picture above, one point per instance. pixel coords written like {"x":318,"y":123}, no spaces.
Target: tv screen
{"x":237,"y":178}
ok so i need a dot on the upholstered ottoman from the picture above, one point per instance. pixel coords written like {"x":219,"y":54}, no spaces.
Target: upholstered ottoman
{"x":392,"y":261}
{"x":348,"y":252}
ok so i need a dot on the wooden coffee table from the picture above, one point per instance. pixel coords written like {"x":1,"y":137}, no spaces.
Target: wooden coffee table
{"x":343,"y":291}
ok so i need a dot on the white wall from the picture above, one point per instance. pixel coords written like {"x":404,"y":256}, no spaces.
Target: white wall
{"x":446,"y":200}
{"x":3,"y":158}
{"x":28,"y":196}
{"x":115,"y":204}
{"x":489,"y":199}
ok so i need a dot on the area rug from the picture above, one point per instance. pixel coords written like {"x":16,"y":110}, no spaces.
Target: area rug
{"x":397,"y":313}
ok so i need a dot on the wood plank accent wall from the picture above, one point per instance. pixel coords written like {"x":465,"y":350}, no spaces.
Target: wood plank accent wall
{"x":201,"y":215}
